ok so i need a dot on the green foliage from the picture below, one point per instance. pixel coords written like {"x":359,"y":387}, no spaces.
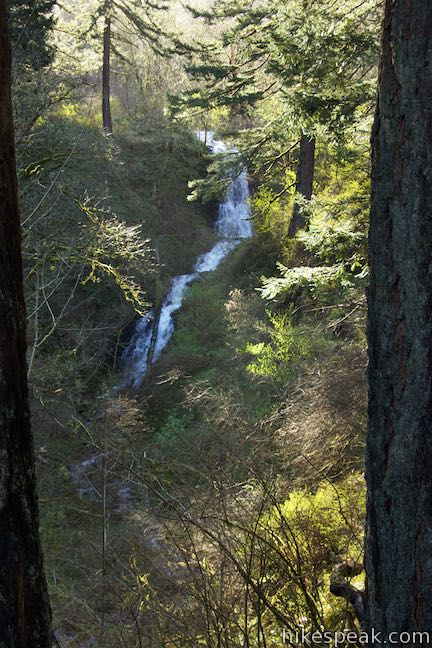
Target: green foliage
{"x":221,"y":169}
{"x":315,"y":279}
{"x":29,"y":29}
{"x":279,"y":358}
{"x":174,"y":427}
{"x":323,"y":53}
{"x":200,"y":337}
{"x":296,"y":68}
{"x":114,"y":250}
{"x":309,"y":534}
{"x":334,"y":511}
{"x":271,"y":214}
{"x":334,"y":243}
{"x":339,"y":213}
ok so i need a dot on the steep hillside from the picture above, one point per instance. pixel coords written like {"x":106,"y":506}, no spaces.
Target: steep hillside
{"x":126,"y":228}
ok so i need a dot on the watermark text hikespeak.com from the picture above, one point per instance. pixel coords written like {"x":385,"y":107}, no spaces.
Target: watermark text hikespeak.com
{"x":351,"y":638}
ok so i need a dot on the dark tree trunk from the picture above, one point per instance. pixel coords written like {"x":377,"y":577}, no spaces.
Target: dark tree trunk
{"x":106,"y":76}
{"x":399,"y":445}
{"x":24,"y":608}
{"x":304,"y":181}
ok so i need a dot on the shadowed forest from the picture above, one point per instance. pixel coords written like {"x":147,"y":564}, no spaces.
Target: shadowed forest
{"x":195,"y":190}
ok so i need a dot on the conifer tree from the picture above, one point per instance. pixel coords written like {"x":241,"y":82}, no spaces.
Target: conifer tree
{"x":25,"y":619}
{"x":106,"y":75}
{"x":137,"y":16}
{"x":30,"y":23}
{"x":314,"y":57}
{"x":399,"y":444}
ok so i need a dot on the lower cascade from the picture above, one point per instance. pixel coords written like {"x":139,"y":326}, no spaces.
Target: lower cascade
{"x":151,"y":334}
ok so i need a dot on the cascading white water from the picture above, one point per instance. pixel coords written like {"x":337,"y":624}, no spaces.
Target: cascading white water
{"x":232,"y":225}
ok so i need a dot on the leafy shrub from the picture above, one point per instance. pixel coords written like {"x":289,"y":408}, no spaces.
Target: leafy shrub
{"x":338,"y":225}
{"x":278,"y":358}
{"x":307,"y":536}
{"x":176,"y":424}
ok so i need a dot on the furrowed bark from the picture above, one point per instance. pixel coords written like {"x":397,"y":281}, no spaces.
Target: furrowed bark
{"x":399,"y":445}
{"x":24,"y":609}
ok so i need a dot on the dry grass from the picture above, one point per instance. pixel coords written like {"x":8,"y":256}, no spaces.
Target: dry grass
{"x":321,"y":430}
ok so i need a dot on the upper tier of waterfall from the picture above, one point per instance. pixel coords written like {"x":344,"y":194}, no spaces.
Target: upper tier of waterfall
{"x":153,"y":331}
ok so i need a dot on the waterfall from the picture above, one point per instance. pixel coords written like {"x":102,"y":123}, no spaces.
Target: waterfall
{"x":233,"y":224}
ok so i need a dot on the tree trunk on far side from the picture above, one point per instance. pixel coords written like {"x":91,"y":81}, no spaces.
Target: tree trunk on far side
{"x":304,"y":181}
{"x":399,"y":444}
{"x":25,"y":619}
{"x":106,"y":77}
